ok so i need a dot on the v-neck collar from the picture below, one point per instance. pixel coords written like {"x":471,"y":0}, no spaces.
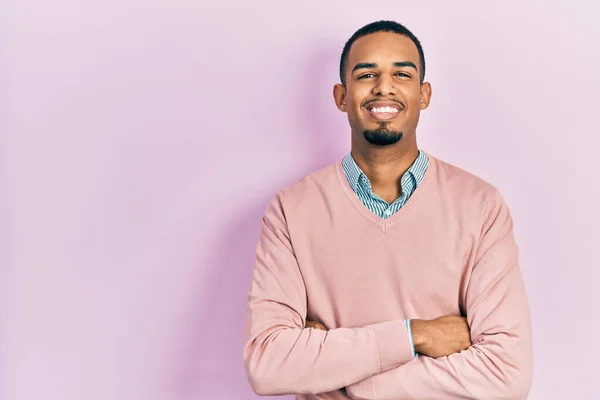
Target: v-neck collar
{"x":385,"y":223}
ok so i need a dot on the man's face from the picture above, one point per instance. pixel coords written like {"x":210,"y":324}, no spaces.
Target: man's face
{"x":383,"y":95}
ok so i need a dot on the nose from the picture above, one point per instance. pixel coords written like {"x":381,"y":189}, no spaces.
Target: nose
{"x":384,"y":86}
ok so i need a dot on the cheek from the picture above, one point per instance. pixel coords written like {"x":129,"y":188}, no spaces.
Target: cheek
{"x":356,"y":96}
{"x":413,"y":98}
{"x":354,"y":105}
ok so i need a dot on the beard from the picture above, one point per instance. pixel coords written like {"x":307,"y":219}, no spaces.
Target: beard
{"x":382,"y":136}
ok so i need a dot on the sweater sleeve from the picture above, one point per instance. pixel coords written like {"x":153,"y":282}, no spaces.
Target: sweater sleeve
{"x":283,"y":357}
{"x":498,"y":365}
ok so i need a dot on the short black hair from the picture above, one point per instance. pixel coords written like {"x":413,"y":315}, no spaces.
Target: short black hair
{"x":380,"y":26}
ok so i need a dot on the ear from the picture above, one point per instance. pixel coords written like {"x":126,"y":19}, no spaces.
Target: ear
{"x":339,"y":95}
{"x":425,"y":95}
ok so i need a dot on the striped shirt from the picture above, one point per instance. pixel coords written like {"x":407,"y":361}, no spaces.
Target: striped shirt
{"x":362,"y":186}
{"x":408,"y":183}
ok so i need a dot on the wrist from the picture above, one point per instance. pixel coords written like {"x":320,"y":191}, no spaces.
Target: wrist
{"x":419,"y":333}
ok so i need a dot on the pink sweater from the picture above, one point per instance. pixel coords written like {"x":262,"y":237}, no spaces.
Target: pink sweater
{"x":324,"y":256}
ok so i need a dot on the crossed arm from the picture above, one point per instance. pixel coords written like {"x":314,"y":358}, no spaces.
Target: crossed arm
{"x":283,"y":356}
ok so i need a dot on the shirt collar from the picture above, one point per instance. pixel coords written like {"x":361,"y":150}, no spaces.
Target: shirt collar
{"x":354,"y":173}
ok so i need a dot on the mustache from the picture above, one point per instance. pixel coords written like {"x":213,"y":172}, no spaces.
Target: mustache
{"x":366,"y":103}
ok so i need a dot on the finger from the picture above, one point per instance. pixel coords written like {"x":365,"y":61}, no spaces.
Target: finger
{"x":316,"y":325}
{"x":312,"y":324}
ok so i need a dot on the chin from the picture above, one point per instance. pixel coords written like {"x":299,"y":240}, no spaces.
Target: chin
{"x":379,"y":137}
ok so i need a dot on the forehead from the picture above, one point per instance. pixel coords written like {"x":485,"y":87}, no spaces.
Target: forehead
{"x":383,"y":48}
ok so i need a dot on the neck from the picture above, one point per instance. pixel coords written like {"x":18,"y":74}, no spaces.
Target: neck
{"x":385,"y":166}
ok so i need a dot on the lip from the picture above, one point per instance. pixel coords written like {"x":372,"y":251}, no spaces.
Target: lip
{"x":385,"y":116}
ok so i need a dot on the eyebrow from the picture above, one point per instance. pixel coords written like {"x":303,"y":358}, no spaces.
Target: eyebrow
{"x":398,"y":64}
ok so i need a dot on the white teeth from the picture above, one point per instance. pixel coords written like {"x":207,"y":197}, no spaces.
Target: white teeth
{"x":387,"y":109}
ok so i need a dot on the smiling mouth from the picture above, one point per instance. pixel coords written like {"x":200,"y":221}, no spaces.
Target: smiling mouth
{"x":383,"y":112}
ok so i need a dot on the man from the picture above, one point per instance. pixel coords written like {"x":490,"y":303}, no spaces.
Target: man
{"x":390,"y":274}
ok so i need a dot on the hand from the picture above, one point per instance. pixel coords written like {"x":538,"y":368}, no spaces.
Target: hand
{"x":441,"y":336}
{"x":315,"y":325}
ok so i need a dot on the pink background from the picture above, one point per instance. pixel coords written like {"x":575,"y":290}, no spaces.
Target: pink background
{"x":141,"y":142}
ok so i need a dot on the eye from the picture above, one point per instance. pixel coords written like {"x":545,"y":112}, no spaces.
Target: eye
{"x":403,"y":74}
{"x":367,"y":75}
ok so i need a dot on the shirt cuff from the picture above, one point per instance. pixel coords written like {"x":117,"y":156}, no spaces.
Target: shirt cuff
{"x":409,"y":329}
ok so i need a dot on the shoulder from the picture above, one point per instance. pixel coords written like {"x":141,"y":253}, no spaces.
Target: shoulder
{"x":473,"y":198}
{"x":308,"y":190}
{"x":467,"y":191}
{"x":458,"y":180}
